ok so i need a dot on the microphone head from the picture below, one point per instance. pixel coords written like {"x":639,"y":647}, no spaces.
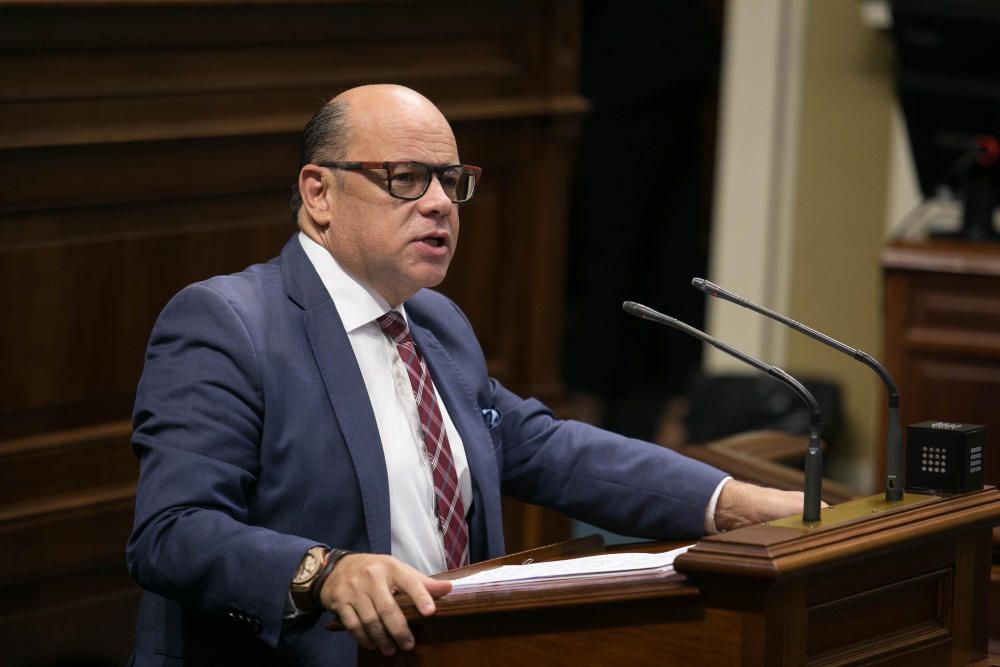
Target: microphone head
{"x":641,"y":311}
{"x":708,"y":287}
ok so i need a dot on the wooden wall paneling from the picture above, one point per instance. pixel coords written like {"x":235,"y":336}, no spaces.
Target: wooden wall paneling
{"x":942,"y":336}
{"x":66,"y":505}
{"x":942,"y":345}
{"x":67,"y":535}
{"x":958,"y":388}
{"x":551,"y":194}
{"x":491,"y":227}
{"x":50,"y":465}
{"x":66,"y":594}
{"x":168,"y":71}
{"x":78,"y":313}
{"x":69,"y":619}
{"x":145,"y":145}
{"x":519,"y":312}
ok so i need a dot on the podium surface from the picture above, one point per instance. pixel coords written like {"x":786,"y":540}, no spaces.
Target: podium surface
{"x":872,"y":583}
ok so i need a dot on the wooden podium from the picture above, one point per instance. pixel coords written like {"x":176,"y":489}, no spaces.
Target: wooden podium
{"x":872,"y":583}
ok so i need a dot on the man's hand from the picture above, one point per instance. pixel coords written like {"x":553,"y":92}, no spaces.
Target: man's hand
{"x":741,"y":504}
{"x":360,"y":590}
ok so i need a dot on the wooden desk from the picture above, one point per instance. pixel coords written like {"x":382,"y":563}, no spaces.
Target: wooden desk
{"x":904,"y":585}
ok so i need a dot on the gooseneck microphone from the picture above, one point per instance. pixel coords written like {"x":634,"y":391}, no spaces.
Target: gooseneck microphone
{"x":893,"y":436}
{"x":814,"y":455}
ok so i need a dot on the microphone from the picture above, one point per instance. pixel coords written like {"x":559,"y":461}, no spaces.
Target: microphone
{"x":814,"y":455}
{"x":894,"y":434}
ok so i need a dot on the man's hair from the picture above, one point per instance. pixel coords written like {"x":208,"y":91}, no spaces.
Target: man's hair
{"x":324,"y":139}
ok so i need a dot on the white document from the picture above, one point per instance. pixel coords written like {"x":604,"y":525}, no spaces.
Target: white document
{"x":613,"y":564}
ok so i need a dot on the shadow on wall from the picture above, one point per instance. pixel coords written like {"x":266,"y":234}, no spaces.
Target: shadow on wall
{"x":640,"y":220}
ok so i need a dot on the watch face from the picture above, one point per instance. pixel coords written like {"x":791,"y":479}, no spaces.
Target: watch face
{"x":308,"y":569}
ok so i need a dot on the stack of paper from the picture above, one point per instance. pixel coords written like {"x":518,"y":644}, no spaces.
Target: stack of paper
{"x":604,"y":565}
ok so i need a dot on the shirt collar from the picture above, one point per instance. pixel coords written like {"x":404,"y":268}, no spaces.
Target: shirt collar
{"x":356,"y":303}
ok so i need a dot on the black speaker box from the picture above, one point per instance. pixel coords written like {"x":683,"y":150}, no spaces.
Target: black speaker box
{"x":945,"y":457}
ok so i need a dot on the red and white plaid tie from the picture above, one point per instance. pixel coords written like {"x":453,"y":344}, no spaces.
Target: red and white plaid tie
{"x":449,"y":505}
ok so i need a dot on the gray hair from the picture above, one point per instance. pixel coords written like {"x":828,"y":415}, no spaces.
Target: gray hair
{"x":323,"y":139}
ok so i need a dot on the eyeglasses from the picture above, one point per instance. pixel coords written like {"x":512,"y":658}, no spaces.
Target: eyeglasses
{"x":410,"y":180}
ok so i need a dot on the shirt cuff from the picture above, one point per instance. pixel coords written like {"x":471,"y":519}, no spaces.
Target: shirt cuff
{"x":710,"y":528}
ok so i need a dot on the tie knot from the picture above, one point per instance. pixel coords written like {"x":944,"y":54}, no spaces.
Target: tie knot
{"x":393,"y":325}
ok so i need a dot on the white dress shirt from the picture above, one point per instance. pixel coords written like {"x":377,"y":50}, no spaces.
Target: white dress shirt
{"x":415,"y":537}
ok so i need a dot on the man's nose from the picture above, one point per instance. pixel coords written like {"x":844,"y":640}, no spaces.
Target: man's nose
{"x":435,"y":200}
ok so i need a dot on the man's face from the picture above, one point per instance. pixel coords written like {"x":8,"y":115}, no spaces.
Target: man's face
{"x":395,"y":246}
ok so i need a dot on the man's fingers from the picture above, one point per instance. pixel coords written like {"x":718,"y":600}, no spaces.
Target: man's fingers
{"x":422,"y":590}
{"x":374,"y":628}
{"x":437,"y":588}
{"x":353,"y":624}
{"x":742,"y":504}
{"x":363,"y":585}
{"x":392,"y":619}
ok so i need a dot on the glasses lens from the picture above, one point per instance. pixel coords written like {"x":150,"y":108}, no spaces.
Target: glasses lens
{"x":459,"y":183}
{"x":408,"y":180}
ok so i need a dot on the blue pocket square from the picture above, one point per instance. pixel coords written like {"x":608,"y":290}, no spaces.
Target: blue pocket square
{"x":491,"y":418}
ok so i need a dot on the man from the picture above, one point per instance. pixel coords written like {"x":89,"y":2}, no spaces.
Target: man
{"x":320,"y":432}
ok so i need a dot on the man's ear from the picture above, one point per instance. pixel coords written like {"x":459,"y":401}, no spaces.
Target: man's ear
{"x":313,"y":188}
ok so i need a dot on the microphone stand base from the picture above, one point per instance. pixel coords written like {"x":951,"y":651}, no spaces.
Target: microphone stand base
{"x":852,"y":510}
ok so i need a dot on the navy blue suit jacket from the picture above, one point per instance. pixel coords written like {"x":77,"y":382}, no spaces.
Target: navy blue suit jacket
{"x":256,"y":441}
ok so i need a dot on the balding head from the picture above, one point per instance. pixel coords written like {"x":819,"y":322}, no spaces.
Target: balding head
{"x":392,"y":243}
{"x":365,"y":112}
{"x":377,"y":108}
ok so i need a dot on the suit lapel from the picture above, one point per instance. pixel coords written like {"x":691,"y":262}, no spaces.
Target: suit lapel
{"x":345,"y":387}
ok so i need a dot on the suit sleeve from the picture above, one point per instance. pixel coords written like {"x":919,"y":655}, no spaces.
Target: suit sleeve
{"x":197,"y":429}
{"x":618,"y":483}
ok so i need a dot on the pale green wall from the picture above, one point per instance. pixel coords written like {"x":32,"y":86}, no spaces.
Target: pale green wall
{"x":839,"y":217}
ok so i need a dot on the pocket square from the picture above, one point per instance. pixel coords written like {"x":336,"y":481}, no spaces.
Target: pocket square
{"x":491,"y":418}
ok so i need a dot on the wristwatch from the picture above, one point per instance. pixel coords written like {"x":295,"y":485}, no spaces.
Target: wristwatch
{"x":306,"y":577}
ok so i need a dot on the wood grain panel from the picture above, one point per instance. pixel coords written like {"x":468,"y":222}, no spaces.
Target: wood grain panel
{"x":908,"y":612}
{"x":664,"y":631}
{"x":147,"y":144}
{"x":846,"y":581}
{"x":100,"y":24}
{"x":146,"y":171}
{"x":165,"y":75}
{"x":80,"y":333}
{"x":73,"y":533}
{"x":81,"y":618}
{"x":787,"y":627}
{"x":942,"y":341}
{"x":973,"y":554}
{"x":40,"y":467}
{"x":976,"y":307}
{"x":735,"y":616}
{"x":957,"y":388}
{"x":942,"y":334}
{"x":178,"y":70}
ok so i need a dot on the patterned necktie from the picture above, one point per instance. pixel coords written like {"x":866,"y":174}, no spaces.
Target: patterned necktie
{"x":449,"y":506}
